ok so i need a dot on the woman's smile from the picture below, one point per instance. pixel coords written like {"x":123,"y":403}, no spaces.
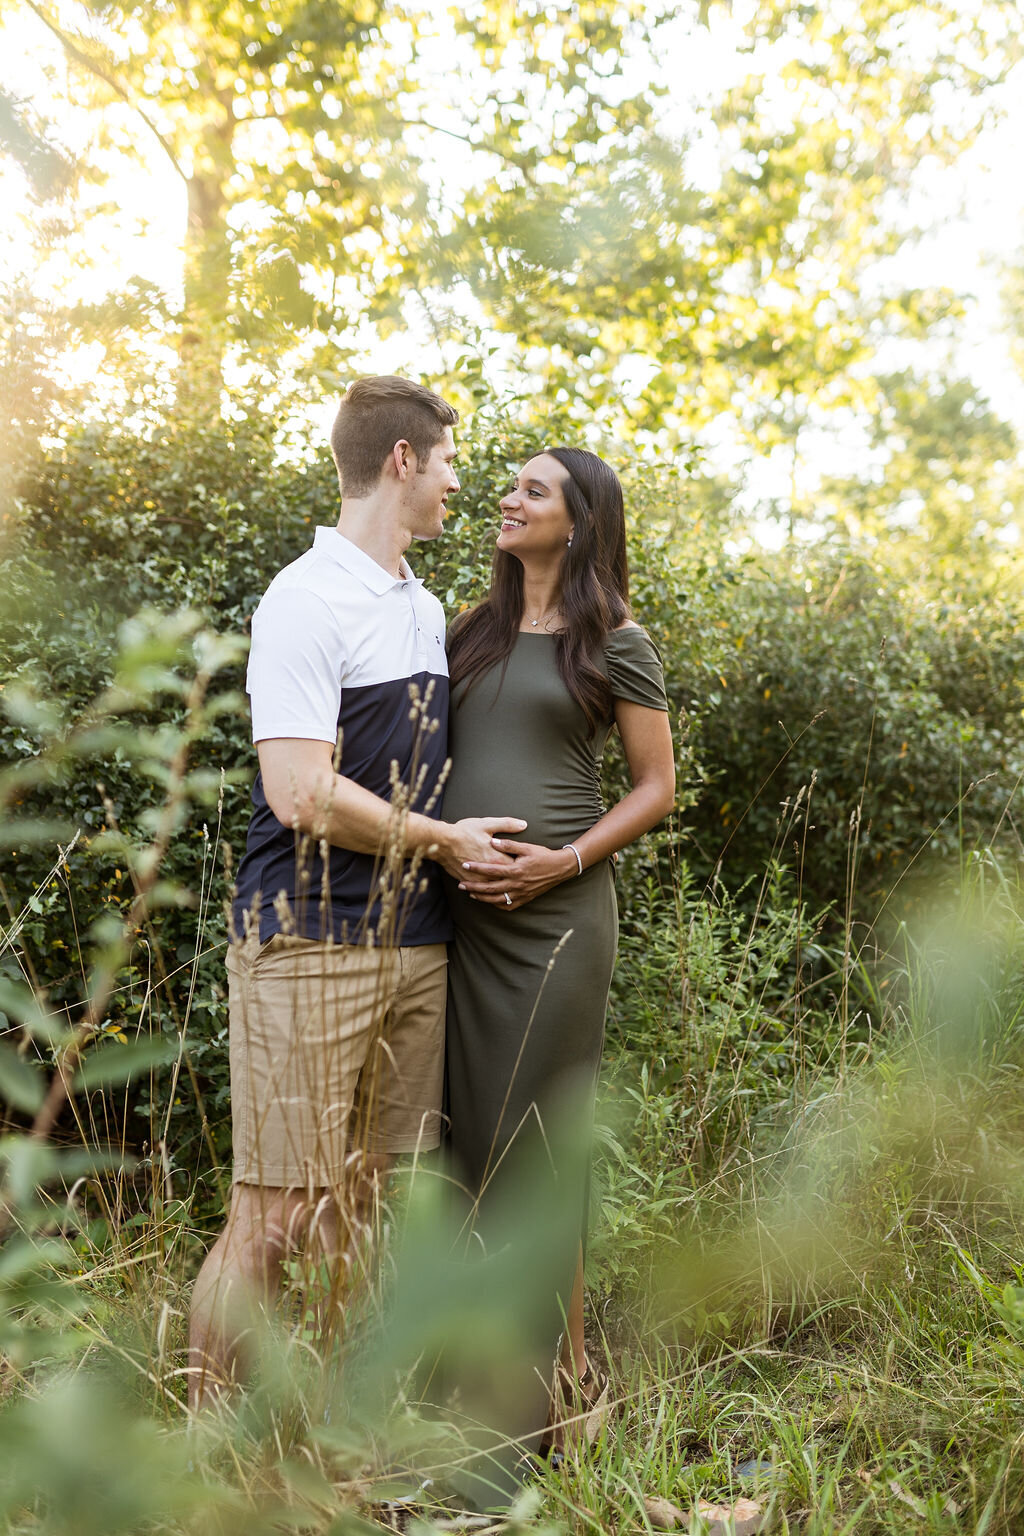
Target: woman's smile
{"x":538,"y":489}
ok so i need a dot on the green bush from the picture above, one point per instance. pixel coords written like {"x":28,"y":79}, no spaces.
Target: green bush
{"x":817,"y":673}
{"x":896,"y":711}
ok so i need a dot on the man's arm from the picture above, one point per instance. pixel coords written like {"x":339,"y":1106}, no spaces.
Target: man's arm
{"x":304,"y":792}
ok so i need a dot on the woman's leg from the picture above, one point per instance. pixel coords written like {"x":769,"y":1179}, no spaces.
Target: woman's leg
{"x":574,"y":1351}
{"x":579,"y":1401}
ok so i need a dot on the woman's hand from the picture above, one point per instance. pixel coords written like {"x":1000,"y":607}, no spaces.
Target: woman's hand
{"x":534,"y":870}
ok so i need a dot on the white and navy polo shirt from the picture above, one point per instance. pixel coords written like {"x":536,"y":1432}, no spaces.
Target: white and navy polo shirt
{"x":338,"y":644}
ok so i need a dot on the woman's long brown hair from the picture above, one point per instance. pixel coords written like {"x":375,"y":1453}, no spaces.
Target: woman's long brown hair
{"x":593,"y":591}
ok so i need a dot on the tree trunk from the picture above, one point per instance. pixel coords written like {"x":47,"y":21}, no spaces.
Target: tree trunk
{"x":204,"y":329}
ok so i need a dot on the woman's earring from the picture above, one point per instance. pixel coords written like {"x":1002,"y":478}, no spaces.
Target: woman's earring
{"x":568,"y":542}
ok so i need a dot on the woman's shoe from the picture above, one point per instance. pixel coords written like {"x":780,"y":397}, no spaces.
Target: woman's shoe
{"x":594,"y":1389}
{"x":579,"y":1411}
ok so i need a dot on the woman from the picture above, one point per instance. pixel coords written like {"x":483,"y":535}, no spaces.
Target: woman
{"x":540,"y":672}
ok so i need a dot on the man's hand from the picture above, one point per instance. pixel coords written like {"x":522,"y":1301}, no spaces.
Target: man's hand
{"x":304,"y":791}
{"x":535,"y":869}
{"x":461,"y":842}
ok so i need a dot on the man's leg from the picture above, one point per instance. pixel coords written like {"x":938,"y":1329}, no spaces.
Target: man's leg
{"x":331,"y":1003}
{"x":240,"y":1278}
{"x":340,"y":1238}
{"x":302,"y":1016}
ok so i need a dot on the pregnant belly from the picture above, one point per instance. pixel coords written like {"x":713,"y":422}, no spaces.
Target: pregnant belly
{"x":555,"y":811}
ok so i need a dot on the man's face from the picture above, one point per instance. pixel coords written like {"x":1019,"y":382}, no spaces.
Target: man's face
{"x":428,"y":489}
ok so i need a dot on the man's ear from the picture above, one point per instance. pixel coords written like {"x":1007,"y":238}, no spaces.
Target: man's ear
{"x":403,"y":459}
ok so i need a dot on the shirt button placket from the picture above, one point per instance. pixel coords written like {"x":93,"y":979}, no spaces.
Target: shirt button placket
{"x":421,"y":639}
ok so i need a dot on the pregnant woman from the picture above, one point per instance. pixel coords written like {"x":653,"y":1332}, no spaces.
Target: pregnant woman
{"x":541,"y":671}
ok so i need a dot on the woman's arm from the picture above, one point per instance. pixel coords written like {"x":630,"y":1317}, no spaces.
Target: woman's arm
{"x":647,"y":742}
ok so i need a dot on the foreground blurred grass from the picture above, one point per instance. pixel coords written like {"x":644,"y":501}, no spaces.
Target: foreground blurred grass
{"x":806,"y":1269}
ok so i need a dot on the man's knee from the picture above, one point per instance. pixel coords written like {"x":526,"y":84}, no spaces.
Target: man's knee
{"x":265,"y":1225}
{"x":267,"y":1222}
{"x":367,"y":1172}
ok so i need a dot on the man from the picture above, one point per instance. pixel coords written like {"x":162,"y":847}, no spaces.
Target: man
{"x":337,"y":975}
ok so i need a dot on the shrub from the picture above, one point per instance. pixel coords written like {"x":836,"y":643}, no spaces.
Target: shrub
{"x":896,"y":709}
{"x":893,"y":708}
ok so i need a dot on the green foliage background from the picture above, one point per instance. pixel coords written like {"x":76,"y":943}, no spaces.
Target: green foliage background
{"x":889,"y":710}
{"x":808,"y":1190}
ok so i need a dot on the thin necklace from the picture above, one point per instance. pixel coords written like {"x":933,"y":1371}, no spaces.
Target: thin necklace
{"x":543,"y":616}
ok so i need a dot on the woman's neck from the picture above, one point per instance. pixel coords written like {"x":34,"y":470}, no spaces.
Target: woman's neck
{"x":540,"y":598}
{"x":540,"y":590}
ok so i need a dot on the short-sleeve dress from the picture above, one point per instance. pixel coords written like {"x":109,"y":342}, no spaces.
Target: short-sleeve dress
{"x":528,"y":988}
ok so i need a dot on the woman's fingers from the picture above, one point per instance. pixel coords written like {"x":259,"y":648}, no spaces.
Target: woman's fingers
{"x":495,"y":888}
{"x":517,"y":850}
{"x":490,"y":885}
{"x":526,"y":875}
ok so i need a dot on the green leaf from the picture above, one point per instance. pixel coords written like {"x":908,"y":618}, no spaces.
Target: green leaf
{"x":23,"y":706}
{"x":29,"y":1165}
{"x":349,"y":1523}
{"x":111,"y":1064}
{"x":213,"y":651}
{"x":73,"y":1163}
{"x":23,"y":1258}
{"x":20,"y":1002}
{"x":21,"y":1083}
{"x":34,"y":830}
{"x":308,"y":1482}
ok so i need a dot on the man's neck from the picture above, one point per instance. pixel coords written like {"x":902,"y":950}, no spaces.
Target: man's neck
{"x":372,"y":525}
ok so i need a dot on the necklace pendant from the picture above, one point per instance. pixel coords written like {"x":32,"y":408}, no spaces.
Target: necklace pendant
{"x":535,"y":622}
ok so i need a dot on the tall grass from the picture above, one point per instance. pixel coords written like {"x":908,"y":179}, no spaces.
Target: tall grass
{"x":834,"y":1290}
{"x":805,"y":1275}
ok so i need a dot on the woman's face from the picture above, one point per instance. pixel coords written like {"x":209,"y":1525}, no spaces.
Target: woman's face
{"x":535,"y":523}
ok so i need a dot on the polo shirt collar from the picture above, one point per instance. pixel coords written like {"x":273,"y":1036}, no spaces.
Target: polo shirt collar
{"x":328,"y":541}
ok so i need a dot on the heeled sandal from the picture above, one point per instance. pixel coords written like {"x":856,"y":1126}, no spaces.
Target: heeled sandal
{"x":578,"y":1419}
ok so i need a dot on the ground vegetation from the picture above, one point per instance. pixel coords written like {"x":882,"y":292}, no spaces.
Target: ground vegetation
{"x":807,"y":1201}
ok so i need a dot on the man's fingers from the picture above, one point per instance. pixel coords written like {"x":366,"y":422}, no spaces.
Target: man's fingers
{"x":494,"y":824}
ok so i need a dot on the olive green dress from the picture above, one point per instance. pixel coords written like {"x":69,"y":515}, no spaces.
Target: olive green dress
{"x":528,"y":988}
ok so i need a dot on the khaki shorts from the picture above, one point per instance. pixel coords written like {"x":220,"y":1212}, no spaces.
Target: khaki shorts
{"x":333,"y":1047}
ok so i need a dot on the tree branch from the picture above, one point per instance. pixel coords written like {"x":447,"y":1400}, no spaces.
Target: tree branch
{"x":79,"y":56}
{"x":484,"y":149}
